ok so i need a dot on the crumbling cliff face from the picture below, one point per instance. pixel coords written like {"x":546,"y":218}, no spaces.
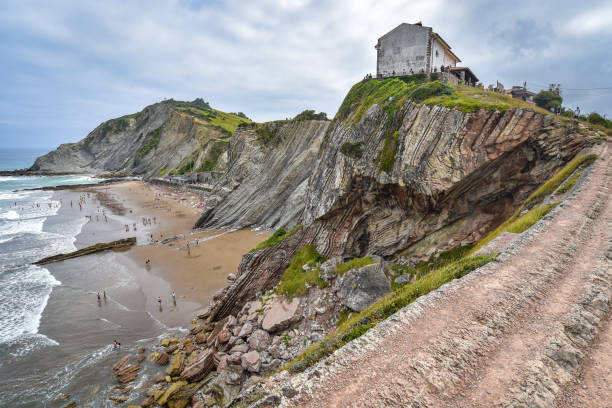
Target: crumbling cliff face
{"x":166,"y":137}
{"x":267,"y":176}
{"x":409,"y":183}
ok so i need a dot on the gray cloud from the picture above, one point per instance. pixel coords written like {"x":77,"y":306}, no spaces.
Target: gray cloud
{"x":72,"y":65}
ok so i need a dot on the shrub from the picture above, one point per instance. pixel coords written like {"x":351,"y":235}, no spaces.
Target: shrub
{"x":427,"y":90}
{"x":310,"y":115}
{"x":278,"y":236}
{"x":295,"y":278}
{"x":548,"y":100}
{"x":354,"y":264}
{"x":354,"y":150}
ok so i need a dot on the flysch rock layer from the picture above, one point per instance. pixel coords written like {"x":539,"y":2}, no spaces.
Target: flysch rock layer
{"x":265,"y":183}
{"x":513,"y":333}
{"x":118,"y":145}
{"x":455,"y":176}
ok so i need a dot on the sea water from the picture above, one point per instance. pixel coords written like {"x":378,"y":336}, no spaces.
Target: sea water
{"x":55,"y":338}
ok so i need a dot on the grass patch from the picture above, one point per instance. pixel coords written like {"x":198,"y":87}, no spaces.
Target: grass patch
{"x":219,"y":146}
{"x":151,"y":144}
{"x":186,"y":165}
{"x":278,"y":235}
{"x":552,"y":184}
{"x":358,"y":324}
{"x":470,"y":99}
{"x":517,"y":223}
{"x":535,"y":198}
{"x":294,"y":280}
{"x":163,"y":171}
{"x":569,"y":184}
{"x":387,"y":156}
{"x":344,"y":315}
{"x":354,"y":264}
{"x":354,"y":150}
{"x":366,"y":93}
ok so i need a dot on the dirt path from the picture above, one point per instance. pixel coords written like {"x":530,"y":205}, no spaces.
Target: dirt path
{"x":513,"y":333}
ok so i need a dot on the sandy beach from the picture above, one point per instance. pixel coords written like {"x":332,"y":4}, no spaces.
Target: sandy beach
{"x":160,"y":213}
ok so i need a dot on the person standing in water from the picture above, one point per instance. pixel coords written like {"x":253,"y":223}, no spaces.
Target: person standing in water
{"x":104,"y":296}
{"x":174,"y":298}
{"x":99,"y":301}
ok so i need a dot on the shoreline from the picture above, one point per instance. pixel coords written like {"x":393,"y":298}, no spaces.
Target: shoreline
{"x":194,"y":275}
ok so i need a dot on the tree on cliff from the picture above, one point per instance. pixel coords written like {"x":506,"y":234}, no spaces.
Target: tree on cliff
{"x":548,"y":100}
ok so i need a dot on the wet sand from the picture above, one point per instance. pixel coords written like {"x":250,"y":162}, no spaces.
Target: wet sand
{"x":194,"y":275}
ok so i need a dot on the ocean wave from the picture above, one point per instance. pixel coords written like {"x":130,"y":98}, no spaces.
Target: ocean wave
{"x":31,"y":226}
{"x":3,"y":240}
{"x":26,"y":343}
{"x":24,"y":293}
{"x":10,"y":215}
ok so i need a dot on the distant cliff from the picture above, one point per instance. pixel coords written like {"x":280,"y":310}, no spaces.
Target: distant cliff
{"x":406,"y":170}
{"x":267,"y":176}
{"x":167,"y":137}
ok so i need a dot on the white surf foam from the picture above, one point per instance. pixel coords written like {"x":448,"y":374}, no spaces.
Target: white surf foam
{"x":24,"y":293}
{"x":10,"y":215}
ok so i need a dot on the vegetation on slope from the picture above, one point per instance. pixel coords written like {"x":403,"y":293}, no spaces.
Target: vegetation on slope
{"x":343,"y":268}
{"x":151,"y":144}
{"x":518,"y":223}
{"x":295,"y":280}
{"x":359,"y":323}
{"x":278,"y":236}
{"x":354,"y":150}
{"x":569,"y":184}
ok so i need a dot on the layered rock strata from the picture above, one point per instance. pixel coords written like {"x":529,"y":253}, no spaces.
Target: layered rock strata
{"x":454,"y":177}
{"x":266,"y":181}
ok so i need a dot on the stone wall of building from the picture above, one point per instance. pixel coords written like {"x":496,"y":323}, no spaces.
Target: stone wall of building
{"x":403,"y":49}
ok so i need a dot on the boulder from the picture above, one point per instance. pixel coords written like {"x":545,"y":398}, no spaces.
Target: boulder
{"x":239,"y":348}
{"x":201,"y":338}
{"x":176,"y":365}
{"x":359,"y":288}
{"x":234,"y":358}
{"x":246,"y":329}
{"x":259,"y":340}
{"x":159,"y":377}
{"x":251,"y":361}
{"x":200,"y":367}
{"x":128,"y":373}
{"x":222,"y":365}
{"x":165,"y":342}
{"x":231,"y":277}
{"x":147,"y":402}
{"x":121,"y":363}
{"x":224,"y":336}
{"x":196,"y":329}
{"x":173,"y":388}
{"x":190,"y":349}
{"x":162,"y":359}
{"x":403,"y":279}
{"x":280,"y":315}
{"x":227,"y":385}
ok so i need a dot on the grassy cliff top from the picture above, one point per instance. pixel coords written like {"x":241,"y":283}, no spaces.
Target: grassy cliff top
{"x":392,"y":93}
{"x":226,"y":122}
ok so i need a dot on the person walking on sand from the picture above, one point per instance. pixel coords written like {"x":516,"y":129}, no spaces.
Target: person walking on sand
{"x":159,"y":301}
{"x":174,"y":298}
{"x":188,"y":250}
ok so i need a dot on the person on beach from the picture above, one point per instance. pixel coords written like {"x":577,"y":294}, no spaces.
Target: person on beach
{"x":116,"y":345}
{"x":174,"y":298}
{"x":188,"y":250}
{"x":99,"y":301}
{"x":104,"y":296}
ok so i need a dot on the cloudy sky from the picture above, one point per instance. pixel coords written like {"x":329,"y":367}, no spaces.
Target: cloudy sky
{"x":68,"y":65}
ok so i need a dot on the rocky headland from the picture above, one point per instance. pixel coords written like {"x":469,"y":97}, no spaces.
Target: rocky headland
{"x":378,"y":213}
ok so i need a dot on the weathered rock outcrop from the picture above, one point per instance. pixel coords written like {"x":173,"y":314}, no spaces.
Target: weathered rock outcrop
{"x":453,"y":177}
{"x":266,"y":180}
{"x":165,"y":136}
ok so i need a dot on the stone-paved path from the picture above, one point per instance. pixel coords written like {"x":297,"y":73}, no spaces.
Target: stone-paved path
{"x":513,"y":333}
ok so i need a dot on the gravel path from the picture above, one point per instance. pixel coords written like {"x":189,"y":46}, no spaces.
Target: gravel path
{"x":513,"y":333}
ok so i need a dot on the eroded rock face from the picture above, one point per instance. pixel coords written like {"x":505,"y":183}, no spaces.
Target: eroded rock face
{"x":161,"y":136}
{"x":266,"y":183}
{"x":359,"y":288}
{"x":281,"y":314}
{"x":454,"y":177}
